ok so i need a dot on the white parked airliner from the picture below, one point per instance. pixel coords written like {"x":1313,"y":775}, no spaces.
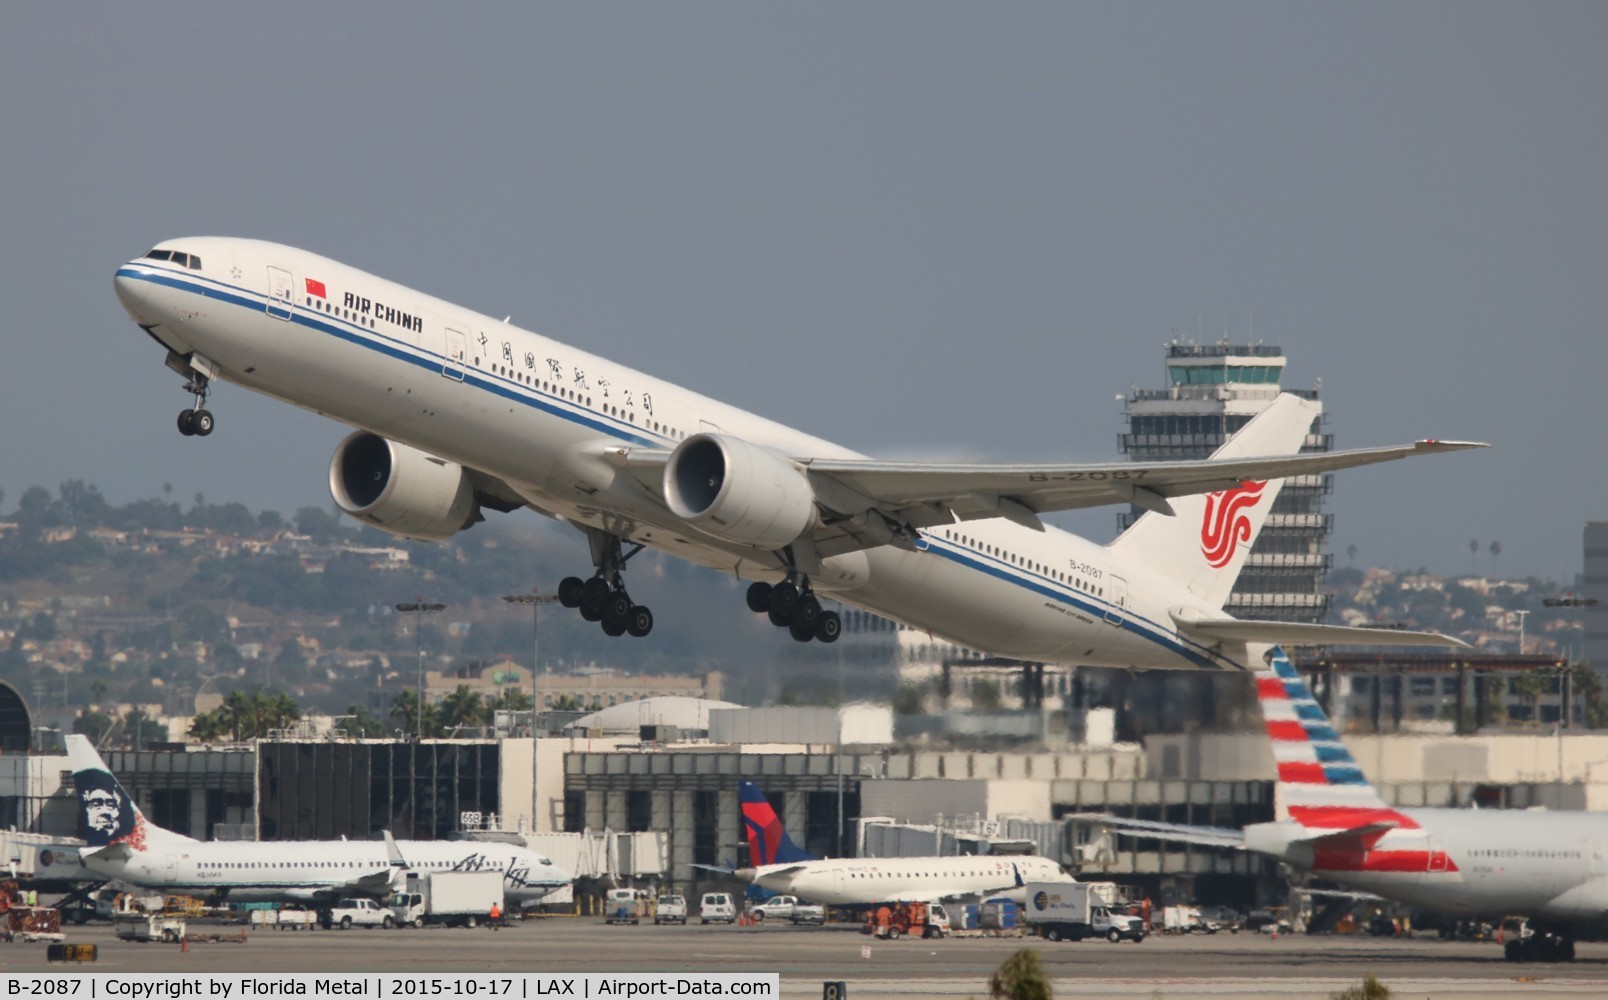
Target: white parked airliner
{"x":778,"y":865}
{"x":121,"y":844}
{"x":1551,"y":867}
{"x":457,"y":412}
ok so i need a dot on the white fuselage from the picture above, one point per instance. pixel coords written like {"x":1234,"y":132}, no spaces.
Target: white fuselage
{"x":865,"y":881}
{"x":1549,"y":865}
{"x":534,"y":413}
{"x":317,"y":870}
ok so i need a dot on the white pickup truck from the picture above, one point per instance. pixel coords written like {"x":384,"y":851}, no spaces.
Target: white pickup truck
{"x":789,"y":908}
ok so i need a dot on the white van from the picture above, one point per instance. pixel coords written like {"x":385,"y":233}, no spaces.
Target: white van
{"x":717,"y":906}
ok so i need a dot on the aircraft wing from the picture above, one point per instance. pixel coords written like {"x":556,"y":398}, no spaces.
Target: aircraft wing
{"x":1298,"y":634}
{"x":1205,"y":836}
{"x":869,"y":502}
{"x":1020,"y":492}
{"x":376,"y":883}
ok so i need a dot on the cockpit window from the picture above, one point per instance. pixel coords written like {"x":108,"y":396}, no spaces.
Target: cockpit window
{"x":178,"y":257}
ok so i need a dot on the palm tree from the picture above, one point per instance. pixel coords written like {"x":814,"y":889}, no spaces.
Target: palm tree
{"x":464,"y":708}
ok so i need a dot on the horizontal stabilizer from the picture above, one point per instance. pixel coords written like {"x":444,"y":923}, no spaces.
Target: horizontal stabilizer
{"x":1205,"y":836}
{"x":1300,"y":634}
{"x":1357,"y":838}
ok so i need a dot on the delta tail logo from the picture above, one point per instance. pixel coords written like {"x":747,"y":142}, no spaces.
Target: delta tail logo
{"x":1227,"y":522}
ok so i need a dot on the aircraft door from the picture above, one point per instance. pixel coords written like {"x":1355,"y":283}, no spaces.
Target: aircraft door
{"x":1116,"y":589}
{"x":457,"y":354}
{"x":281,"y":292}
{"x":1597,"y":851}
{"x":1437,"y":855}
{"x":170,"y":868}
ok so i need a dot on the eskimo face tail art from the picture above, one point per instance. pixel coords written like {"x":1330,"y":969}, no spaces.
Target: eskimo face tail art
{"x":107,"y":814}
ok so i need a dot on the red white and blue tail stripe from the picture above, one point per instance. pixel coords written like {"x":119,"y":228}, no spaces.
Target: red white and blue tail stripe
{"x":1319,"y":781}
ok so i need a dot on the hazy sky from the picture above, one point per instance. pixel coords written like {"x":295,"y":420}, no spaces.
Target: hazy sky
{"x":915,"y":228}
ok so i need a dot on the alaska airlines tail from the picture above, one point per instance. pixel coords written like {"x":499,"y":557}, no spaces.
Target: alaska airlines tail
{"x":768,"y":842}
{"x":107,"y":815}
{"x":1208,"y":537}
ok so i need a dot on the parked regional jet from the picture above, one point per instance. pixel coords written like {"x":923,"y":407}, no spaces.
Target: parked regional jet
{"x":779,"y":865}
{"x":120,"y":843}
{"x":457,"y":412}
{"x":1549,"y":866}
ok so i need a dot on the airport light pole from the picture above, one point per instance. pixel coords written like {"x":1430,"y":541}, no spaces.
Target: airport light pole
{"x":420,"y":609}
{"x":535,"y":599}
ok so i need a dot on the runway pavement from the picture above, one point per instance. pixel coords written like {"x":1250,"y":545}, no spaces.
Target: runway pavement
{"x":1222,"y":965}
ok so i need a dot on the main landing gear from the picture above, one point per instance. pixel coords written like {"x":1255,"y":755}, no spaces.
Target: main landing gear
{"x":197,"y":421}
{"x":603,"y":598}
{"x":1539,"y":947}
{"x":794,"y":606}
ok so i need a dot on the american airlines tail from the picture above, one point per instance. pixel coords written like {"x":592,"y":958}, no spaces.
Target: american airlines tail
{"x":1332,"y":820}
{"x":768,"y":842}
{"x":1205,"y":542}
{"x":107,"y":814}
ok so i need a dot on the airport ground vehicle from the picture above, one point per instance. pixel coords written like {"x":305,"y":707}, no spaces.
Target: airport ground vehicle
{"x":459,"y":899}
{"x":670,"y":910}
{"x":147,"y":918}
{"x":789,"y":908}
{"x":356,"y":912}
{"x":717,"y":906}
{"x":1059,"y":911}
{"x":623,"y":906}
{"x":896,"y":920}
{"x":1188,"y":919}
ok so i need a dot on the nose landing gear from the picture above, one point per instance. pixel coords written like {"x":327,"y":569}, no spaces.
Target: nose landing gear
{"x":196,"y":421}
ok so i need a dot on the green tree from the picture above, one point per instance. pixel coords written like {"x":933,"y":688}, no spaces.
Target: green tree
{"x":464,"y":708}
{"x":360,"y":723}
{"x":94,"y":725}
{"x":1020,"y":977}
{"x":907,"y":699}
{"x":405,"y":713}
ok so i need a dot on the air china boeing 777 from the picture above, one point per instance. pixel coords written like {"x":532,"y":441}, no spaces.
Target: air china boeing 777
{"x":120,"y":843}
{"x":457,"y":412}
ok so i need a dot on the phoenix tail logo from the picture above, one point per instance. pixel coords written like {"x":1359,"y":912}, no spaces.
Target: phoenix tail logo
{"x":1228,"y":522}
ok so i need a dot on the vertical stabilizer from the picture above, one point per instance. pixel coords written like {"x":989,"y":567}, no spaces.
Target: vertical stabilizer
{"x":107,"y":814}
{"x":768,"y":842}
{"x":1205,"y":542}
{"x":1319,"y":783}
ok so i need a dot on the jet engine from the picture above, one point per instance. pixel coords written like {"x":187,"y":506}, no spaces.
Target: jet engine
{"x":401,"y":489}
{"x":734,"y":490}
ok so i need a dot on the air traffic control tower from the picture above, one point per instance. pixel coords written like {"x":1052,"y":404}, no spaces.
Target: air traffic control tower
{"x":1212,"y":391}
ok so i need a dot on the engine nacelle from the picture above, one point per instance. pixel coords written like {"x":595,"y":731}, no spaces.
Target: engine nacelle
{"x":401,"y":489}
{"x":734,"y":490}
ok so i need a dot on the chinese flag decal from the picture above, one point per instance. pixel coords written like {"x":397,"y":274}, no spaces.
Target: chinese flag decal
{"x":315,"y":287}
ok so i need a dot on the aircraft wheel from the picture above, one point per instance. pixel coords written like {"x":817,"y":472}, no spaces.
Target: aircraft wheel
{"x":591,"y":614}
{"x":782,"y":598}
{"x":569,"y":591}
{"x":777,"y":618}
{"x":1566,"y":950}
{"x":203,"y":423}
{"x":595,"y":593}
{"x":803,"y":633}
{"x":759,"y":597}
{"x":618,"y":606}
{"x":612,"y":628}
{"x":806,"y":612}
{"x":828,"y":627}
{"x":640,"y":622}
{"x":1513,"y":951}
{"x":187,"y":422}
